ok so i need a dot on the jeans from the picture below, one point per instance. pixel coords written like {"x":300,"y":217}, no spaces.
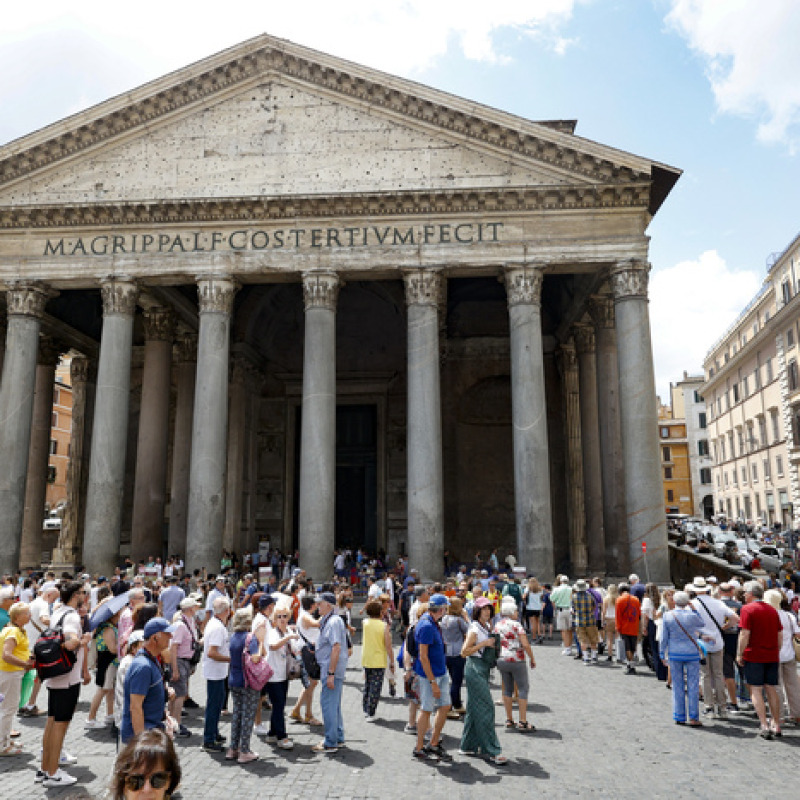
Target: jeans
{"x":277,"y":691}
{"x":685,"y":689}
{"x":330,"y":700}
{"x":215,"y":697}
{"x":455,"y":666}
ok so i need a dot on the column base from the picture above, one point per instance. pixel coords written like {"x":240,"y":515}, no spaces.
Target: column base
{"x":66,"y":559}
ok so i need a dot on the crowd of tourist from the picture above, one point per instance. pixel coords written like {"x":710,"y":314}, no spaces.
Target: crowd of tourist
{"x":722,"y":648}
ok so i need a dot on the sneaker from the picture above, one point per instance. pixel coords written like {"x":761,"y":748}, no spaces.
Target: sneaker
{"x":189,"y":703}
{"x":372,"y":718}
{"x":567,"y":651}
{"x":109,"y":719}
{"x":439,"y":751}
{"x":732,"y":708}
{"x":94,"y":725}
{"x":286,"y":744}
{"x":426,"y":754}
{"x":629,"y":670}
{"x":410,"y":729}
{"x":722,"y":713}
{"x":66,"y":758}
{"x":40,"y":776}
{"x":220,"y":739}
{"x":213,"y":747}
{"x":708,"y":711}
{"x":587,"y":662}
{"x":58,"y":780}
{"x":183,"y":732}
{"x":261,"y":730}
{"x":246,"y":758}
{"x":272,"y":740}
{"x":466,"y":752}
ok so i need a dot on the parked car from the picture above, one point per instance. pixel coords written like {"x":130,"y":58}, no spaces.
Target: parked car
{"x":768,"y":555}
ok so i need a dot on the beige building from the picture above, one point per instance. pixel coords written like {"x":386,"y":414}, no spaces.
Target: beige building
{"x":752,"y":395}
{"x":323,"y":306}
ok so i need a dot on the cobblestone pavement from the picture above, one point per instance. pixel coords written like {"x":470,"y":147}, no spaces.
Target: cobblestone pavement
{"x":598,"y":731}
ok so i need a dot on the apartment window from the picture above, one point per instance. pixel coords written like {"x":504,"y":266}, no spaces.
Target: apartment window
{"x":767,"y":475}
{"x":719,"y":483}
{"x":779,"y":466}
{"x":734,"y":477}
{"x":758,"y":506}
{"x":665,"y":433}
{"x":786,"y":291}
{"x":768,"y":369}
{"x":56,"y":397}
{"x":744,"y":476}
{"x":702,"y":447}
{"x":745,"y":387}
{"x":755,"y":473}
{"x":716,"y":452}
{"x":756,"y":379}
{"x":719,"y":406}
{"x":726,"y":480}
{"x":666,"y":454}
{"x":697,"y":397}
{"x":795,"y":418}
{"x":702,"y":419}
{"x":705,"y":475}
{"x":751,"y":442}
{"x":791,"y":376}
{"x":670,"y":496}
{"x":762,"y":430}
{"x":740,"y":440}
{"x":54,"y":421}
{"x":53,"y":447}
{"x":51,"y":474}
{"x":776,"y":431}
{"x":735,"y":393}
{"x":722,"y":448}
{"x":730,"y":444}
{"x":790,"y":337}
{"x":667,"y":473}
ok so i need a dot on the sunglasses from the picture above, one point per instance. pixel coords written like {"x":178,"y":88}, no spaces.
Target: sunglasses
{"x":158,"y":780}
{"x":281,"y":616}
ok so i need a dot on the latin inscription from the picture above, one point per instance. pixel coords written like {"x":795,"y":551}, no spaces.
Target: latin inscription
{"x":249,"y":239}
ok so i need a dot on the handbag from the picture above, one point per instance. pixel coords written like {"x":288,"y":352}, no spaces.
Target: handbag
{"x":294,"y":667}
{"x":701,"y":648}
{"x":309,"y":659}
{"x":256,"y":674}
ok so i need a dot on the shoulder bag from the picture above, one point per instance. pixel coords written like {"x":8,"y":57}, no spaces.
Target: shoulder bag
{"x":701,"y":648}
{"x":256,"y":675}
{"x":197,"y":647}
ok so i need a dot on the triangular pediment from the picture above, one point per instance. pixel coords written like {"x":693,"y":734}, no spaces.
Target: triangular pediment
{"x":269,"y":118}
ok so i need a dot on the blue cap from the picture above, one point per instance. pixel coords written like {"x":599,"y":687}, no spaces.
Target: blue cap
{"x":438,"y":601}
{"x":157,"y":625}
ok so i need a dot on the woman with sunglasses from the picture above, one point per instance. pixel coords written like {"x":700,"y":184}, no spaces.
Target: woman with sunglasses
{"x":279,"y":639}
{"x":147,"y":768}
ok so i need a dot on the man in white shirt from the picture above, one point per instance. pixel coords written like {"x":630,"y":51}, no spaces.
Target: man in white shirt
{"x":216,"y":662}
{"x":374,"y":588}
{"x":40,"y":619}
{"x":217,"y":592}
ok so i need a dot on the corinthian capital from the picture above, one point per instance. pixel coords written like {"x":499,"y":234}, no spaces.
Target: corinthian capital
{"x":424,"y":287}
{"x":27,"y":299}
{"x":523,"y":285}
{"x":81,"y":370}
{"x":601,"y":310}
{"x":185,"y":348}
{"x":119,"y":296}
{"x":629,"y":279}
{"x":567,"y":358}
{"x":158,"y":324}
{"x":321,"y":290}
{"x":50,"y":351}
{"x":215,"y":295}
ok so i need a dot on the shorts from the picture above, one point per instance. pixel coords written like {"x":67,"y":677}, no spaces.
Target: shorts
{"x":181,"y":686}
{"x":536,"y":613}
{"x":630,"y":642}
{"x":61,"y":703}
{"x":564,"y":619}
{"x":587,"y":636}
{"x":429,"y":703}
{"x":756,"y":674}
{"x":514,"y":674}
{"x":105,"y":660}
{"x":728,"y":665}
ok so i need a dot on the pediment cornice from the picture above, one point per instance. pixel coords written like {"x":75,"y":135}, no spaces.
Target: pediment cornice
{"x":251,"y":209}
{"x":267,"y":56}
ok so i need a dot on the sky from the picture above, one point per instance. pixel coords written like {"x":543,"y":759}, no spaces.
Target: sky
{"x":709,"y":86}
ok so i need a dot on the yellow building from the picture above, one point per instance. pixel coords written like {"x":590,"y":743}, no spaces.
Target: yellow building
{"x":675,"y":467}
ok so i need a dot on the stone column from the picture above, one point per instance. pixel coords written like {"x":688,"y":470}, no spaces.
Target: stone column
{"x":529,"y":419}
{"x":83,"y":376}
{"x":601,"y":310}
{"x":576,"y":515}
{"x":210,"y":425}
{"x":232,"y":538}
{"x":3,"y":331}
{"x":150,"y":486}
{"x":424,"y":292}
{"x":38,"y":455}
{"x":590,"y":440}
{"x":317,"y":523}
{"x":185,"y":374}
{"x":110,"y":428}
{"x":639,"y":419}
{"x":25,"y":304}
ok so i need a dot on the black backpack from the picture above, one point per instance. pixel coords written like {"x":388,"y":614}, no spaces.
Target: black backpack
{"x":411,"y":643}
{"x":51,"y":657}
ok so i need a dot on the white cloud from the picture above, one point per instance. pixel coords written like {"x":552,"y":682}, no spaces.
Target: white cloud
{"x":46,"y":47}
{"x":753,"y":60}
{"x":691,"y":306}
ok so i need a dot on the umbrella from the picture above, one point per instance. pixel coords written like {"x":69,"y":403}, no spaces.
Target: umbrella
{"x":107,"y":609}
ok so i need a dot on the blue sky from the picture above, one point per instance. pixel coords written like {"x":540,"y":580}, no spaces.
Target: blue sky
{"x":709,"y":86}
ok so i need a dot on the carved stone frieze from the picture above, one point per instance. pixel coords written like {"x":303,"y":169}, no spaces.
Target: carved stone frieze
{"x":27,"y":299}
{"x":424,"y":287}
{"x":215,"y":295}
{"x":629,"y":279}
{"x":276,"y":58}
{"x":601,"y":311}
{"x":259,"y":209}
{"x":321,"y":290}
{"x":159,"y":324}
{"x":523,"y":285}
{"x":584,"y":338}
{"x":119,"y":296}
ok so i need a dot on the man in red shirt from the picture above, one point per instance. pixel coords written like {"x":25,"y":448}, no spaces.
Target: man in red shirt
{"x":758,"y":654}
{"x":628,"y":613}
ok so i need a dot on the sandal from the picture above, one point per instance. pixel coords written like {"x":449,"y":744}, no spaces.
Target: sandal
{"x":11,"y":750}
{"x":775,"y":730}
{"x":312,"y":721}
{"x":525,"y":726}
{"x":498,"y":761}
{"x":295,"y":716}
{"x":510,"y":723}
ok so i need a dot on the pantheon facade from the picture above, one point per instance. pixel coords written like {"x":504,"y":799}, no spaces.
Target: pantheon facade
{"x":317,"y":305}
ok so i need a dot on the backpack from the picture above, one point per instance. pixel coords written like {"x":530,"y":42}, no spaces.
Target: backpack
{"x":411,"y":643}
{"x":256,"y":676}
{"x":51,"y":657}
